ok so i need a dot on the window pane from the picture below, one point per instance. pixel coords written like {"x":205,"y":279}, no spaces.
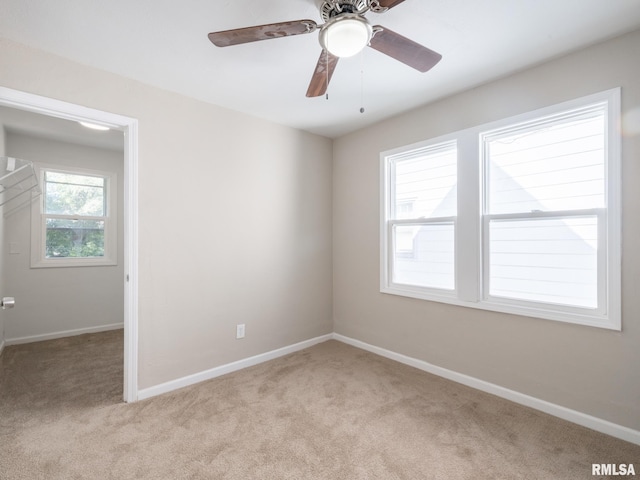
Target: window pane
{"x":424,"y":255}
{"x":425,"y":184}
{"x":74,"y":238}
{"x":68,"y":194}
{"x":551,"y":167}
{"x":545,"y":260}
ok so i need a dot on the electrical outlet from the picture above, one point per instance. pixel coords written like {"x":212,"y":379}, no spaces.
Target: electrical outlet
{"x":240,"y":330}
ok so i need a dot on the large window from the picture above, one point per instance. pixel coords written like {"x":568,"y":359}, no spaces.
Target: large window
{"x":74,"y":224}
{"x":520,"y":216}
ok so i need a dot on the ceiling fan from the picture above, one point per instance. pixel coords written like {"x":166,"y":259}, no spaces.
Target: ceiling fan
{"x":345,"y":32}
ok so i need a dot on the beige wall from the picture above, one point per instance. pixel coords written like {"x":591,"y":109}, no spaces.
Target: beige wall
{"x":234,"y":219}
{"x":591,"y":370}
{"x":53,"y":300}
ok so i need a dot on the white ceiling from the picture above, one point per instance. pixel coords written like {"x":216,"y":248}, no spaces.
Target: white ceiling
{"x":164,"y":43}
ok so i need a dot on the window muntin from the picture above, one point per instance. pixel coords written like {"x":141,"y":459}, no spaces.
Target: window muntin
{"x":74,"y":221}
{"x":537,"y":227}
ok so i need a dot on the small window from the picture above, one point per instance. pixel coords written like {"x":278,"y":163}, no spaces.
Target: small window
{"x":75,"y":224}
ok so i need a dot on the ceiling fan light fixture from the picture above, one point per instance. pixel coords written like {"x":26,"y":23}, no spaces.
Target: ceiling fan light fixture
{"x":345,"y":35}
{"x":94,"y":126}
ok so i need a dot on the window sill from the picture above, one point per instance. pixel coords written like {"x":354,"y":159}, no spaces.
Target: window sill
{"x":609,"y":322}
{"x":74,"y":262}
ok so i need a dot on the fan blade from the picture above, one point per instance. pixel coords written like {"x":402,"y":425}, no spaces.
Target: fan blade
{"x":404,"y":50}
{"x":390,"y":3}
{"x":261,"y":32}
{"x":322,"y":75}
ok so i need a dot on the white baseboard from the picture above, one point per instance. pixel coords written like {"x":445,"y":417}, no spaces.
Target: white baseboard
{"x":573,"y":416}
{"x":2,"y":346}
{"x":66,"y":333}
{"x":568,"y":414}
{"x":228,"y":368}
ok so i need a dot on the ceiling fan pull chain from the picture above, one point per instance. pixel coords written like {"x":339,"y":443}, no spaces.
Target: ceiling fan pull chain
{"x":362,"y":82}
{"x":326,"y":56}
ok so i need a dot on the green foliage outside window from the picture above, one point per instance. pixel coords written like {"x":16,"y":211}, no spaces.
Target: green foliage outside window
{"x":74,"y":242}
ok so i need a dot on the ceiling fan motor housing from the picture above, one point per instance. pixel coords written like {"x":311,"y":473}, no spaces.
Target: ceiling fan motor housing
{"x":331,"y":8}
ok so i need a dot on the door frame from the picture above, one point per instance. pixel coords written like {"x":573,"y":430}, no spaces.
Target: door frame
{"x":129,"y":126}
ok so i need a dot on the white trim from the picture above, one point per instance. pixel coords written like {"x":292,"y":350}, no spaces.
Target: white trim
{"x":59,"y":109}
{"x":594,"y":423}
{"x":130,"y":389}
{"x":614,"y":204}
{"x":228,"y":368}
{"x":2,"y":344}
{"x":63,"y":334}
{"x":56,"y":108}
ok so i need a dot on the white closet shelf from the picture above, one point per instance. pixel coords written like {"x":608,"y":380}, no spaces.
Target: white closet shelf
{"x":17,"y":179}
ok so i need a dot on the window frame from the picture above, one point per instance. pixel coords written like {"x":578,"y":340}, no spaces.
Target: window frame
{"x":39,"y":218}
{"x":472,"y":222}
{"x":388,"y":224}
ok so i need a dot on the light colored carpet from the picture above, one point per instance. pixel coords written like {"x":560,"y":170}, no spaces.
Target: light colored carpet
{"x":329,"y":412}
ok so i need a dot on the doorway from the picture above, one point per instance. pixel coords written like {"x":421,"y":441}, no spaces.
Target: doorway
{"x":129,"y":126}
